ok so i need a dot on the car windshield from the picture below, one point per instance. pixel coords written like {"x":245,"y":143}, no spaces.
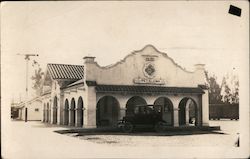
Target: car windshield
{"x":147,"y":109}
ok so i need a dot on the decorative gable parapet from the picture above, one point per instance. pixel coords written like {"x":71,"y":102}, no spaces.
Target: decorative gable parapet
{"x":144,"y":67}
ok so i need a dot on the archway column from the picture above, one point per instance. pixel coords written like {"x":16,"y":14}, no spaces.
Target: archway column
{"x":44,"y":115}
{"x":51,"y":114}
{"x":176,"y":117}
{"x":58,"y":115}
{"x":61,"y":110}
{"x":90,"y":111}
{"x":122,"y":113}
{"x":205,"y":108}
{"x":175,"y":101}
{"x":122,"y":102}
{"x":47,"y":114}
{"x":149,"y":99}
{"x":70,"y":120}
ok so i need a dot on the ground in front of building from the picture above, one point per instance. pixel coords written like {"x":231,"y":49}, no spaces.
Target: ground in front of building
{"x":38,"y":140}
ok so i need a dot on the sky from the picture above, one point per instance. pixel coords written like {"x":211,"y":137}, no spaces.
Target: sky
{"x":64,"y":32}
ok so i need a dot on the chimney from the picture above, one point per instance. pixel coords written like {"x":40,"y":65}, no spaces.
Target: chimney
{"x":89,"y":68}
{"x":199,"y":67}
{"x":89,"y":59}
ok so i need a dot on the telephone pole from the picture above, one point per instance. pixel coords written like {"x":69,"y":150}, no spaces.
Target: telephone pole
{"x":27,"y":58}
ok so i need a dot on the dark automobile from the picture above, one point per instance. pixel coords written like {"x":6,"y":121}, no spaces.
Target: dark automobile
{"x":146,"y":116}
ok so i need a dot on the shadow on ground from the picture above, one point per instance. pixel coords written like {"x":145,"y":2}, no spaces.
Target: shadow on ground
{"x":138,"y":132}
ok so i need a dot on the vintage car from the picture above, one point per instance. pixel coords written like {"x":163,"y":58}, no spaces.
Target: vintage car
{"x":146,"y":116}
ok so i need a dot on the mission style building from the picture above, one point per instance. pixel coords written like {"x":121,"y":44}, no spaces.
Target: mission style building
{"x":95,"y":96}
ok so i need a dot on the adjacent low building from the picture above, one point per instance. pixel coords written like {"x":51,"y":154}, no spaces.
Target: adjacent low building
{"x":93,"y":96}
{"x":31,"y":110}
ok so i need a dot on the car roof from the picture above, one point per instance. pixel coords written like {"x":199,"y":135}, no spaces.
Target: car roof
{"x":145,"y":105}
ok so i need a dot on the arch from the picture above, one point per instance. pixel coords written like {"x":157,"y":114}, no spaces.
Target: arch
{"x":188,"y":112}
{"x":48,"y":113}
{"x":44,"y":112}
{"x":54,"y":119}
{"x":107,"y":111}
{"x":72,"y":112}
{"x":79,"y":113}
{"x":167,"y":109}
{"x":66,"y":112}
{"x":132,"y":102}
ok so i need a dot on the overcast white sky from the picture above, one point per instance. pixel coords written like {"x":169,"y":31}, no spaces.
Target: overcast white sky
{"x":64,"y":32}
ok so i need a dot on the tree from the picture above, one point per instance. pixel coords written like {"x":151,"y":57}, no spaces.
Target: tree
{"x":230,"y":89}
{"x":226,"y":91}
{"x":214,"y":89}
{"x":37,"y":78}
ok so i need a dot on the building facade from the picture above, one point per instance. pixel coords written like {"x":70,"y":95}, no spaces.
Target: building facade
{"x":95,"y":96}
{"x":31,"y":110}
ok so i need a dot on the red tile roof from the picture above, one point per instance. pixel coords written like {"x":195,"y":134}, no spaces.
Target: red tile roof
{"x":147,"y":89}
{"x":64,"y":71}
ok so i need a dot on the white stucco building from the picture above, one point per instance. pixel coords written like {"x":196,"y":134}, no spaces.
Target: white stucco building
{"x":93,"y":96}
{"x":31,"y":110}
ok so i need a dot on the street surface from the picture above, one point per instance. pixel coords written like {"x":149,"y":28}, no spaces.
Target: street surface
{"x":37,"y":140}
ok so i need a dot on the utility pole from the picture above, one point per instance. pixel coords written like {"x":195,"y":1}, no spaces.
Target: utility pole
{"x":27,"y":58}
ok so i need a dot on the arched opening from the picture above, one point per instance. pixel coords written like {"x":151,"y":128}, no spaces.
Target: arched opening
{"x":48,"y":114}
{"x":79,"y":121}
{"x":72,"y":112}
{"x":54,"y":120}
{"x":44,"y":112}
{"x":188,"y":113}
{"x":166,"y":109}
{"x":132,"y":102}
{"x":66,"y":112}
{"x":107,"y":111}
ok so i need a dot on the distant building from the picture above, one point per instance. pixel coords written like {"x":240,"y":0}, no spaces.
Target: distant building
{"x":95,"y":96}
{"x":14,"y":110}
{"x":33,"y":110}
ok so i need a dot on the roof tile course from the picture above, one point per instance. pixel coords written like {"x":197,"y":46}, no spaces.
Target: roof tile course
{"x":147,"y":89}
{"x":63,"y":71}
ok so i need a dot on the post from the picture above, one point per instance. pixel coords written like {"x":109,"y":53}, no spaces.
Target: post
{"x":26,"y":114}
{"x":26,"y":96}
{"x":27,"y":58}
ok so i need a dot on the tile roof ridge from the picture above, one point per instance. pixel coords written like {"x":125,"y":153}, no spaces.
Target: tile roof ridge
{"x":64,"y":64}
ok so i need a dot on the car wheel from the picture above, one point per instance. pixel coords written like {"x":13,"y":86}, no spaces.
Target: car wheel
{"x":128,"y":127}
{"x":159,"y":127}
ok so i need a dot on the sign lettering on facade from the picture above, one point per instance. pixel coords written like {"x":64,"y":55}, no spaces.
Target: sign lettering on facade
{"x":149,"y":71}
